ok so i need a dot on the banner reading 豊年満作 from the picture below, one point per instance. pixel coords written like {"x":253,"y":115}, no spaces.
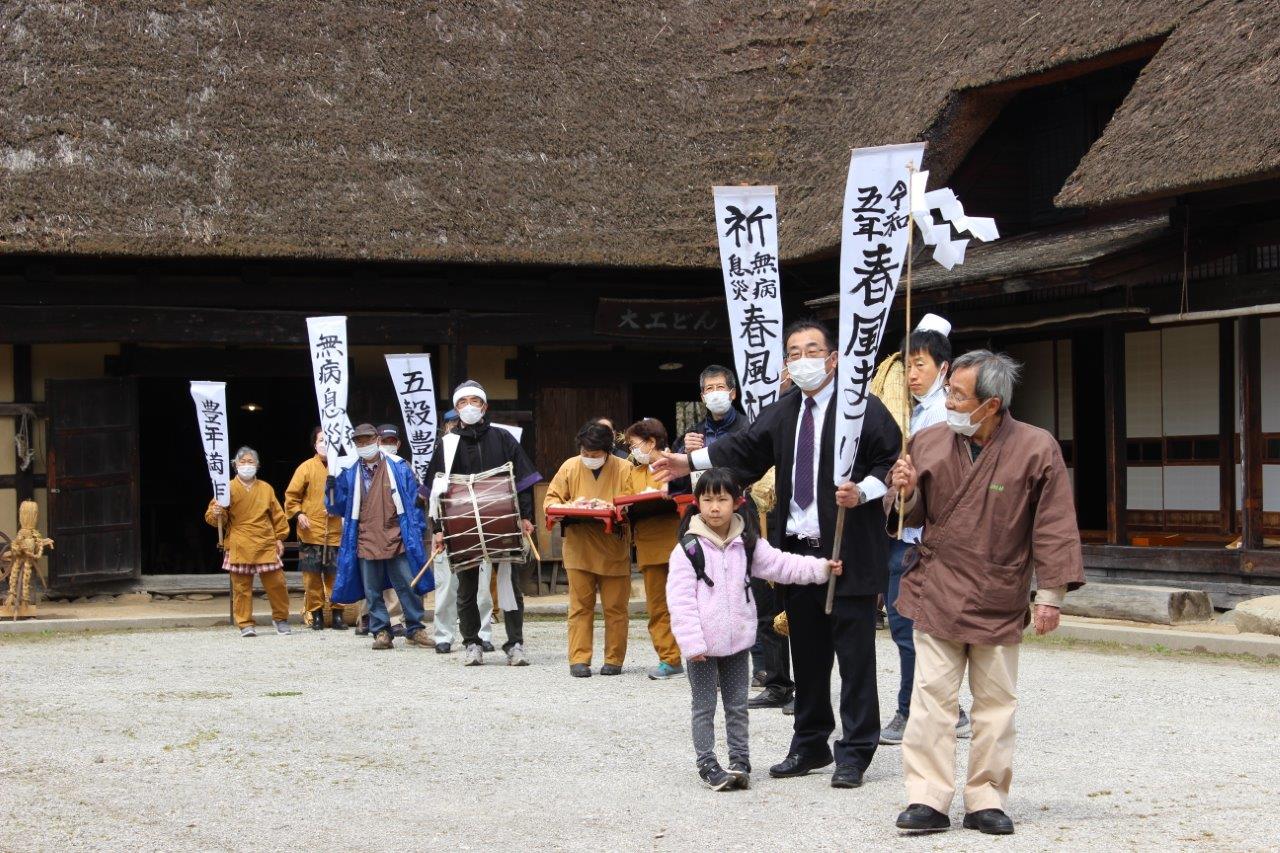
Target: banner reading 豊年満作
{"x":415,"y":389}
{"x":747,"y":229}
{"x":329,"y":370}
{"x":211,"y":417}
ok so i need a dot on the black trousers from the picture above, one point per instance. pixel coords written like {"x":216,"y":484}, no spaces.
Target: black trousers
{"x":848,"y":638}
{"x":777,"y":657}
{"x":469,"y":611}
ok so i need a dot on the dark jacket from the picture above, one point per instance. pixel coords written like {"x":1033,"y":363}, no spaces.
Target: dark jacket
{"x":483,"y":447}
{"x":771,"y":440}
{"x":712,"y":431}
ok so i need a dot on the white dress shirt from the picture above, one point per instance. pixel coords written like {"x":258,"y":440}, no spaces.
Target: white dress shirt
{"x":804,"y":522}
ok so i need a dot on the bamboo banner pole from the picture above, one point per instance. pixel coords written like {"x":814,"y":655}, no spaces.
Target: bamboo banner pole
{"x":835,"y":555}
{"x":906,"y":350}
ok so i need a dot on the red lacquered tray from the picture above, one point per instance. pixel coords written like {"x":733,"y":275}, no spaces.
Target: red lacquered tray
{"x":683,"y":502}
{"x":576,"y":514}
{"x":644,"y":505}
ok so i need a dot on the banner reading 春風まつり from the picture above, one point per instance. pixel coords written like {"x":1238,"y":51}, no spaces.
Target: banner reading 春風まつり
{"x":211,"y":417}
{"x":873,"y":244}
{"x":329,"y":370}
{"x":747,"y":229}
{"x":415,"y":389}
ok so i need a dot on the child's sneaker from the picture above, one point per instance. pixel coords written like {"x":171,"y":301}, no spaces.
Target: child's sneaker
{"x":741,"y":773}
{"x":714,"y":777}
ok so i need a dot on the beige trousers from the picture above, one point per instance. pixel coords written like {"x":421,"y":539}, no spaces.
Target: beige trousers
{"x":929,"y":745}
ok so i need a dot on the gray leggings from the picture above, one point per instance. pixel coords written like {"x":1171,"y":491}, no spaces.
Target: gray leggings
{"x":730,"y":676}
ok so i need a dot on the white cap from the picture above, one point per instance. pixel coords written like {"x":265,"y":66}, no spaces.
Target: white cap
{"x":470,"y":388}
{"x":934,"y":323}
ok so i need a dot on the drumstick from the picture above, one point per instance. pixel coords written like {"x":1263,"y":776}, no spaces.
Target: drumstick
{"x":533,"y":548}
{"x":425,"y":566}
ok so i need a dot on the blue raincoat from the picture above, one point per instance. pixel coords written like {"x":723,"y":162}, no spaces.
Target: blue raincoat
{"x":343,"y":499}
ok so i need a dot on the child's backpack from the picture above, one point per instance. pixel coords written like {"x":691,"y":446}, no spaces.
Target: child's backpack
{"x":692,"y":545}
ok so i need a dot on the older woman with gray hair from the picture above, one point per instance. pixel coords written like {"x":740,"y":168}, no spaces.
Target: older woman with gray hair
{"x":994,"y":499}
{"x":253,"y":543}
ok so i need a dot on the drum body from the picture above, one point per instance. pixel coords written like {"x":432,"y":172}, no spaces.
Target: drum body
{"x":481,"y":519}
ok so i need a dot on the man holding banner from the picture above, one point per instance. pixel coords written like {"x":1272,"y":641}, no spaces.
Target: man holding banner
{"x":797,"y":435}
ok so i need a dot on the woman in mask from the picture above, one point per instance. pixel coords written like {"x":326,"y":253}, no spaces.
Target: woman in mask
{"x":319,"y":533}
{"x":595,"y":561}
{"x":654,"y":536}
{"x":254,"y":532}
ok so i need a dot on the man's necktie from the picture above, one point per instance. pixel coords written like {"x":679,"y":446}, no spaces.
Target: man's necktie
{"x":804,"y":457}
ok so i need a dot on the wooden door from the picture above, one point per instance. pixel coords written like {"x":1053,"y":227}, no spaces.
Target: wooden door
{"x":92,"y":467}
{"x":561,"y":411}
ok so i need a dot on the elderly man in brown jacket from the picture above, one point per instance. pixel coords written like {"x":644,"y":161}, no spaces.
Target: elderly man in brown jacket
{"x":994,"y":498}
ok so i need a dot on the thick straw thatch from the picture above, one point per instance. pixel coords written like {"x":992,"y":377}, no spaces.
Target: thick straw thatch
{"x":538,"y":131}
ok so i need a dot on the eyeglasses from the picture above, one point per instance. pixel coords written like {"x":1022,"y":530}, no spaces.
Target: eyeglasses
{"x":809,"y":352}
{"x":954,"y":397}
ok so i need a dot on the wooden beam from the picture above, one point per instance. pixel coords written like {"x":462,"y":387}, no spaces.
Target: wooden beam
{"x":1227,"y":423}
{"x":1113,"y":378}
{"x":1250,"y":369}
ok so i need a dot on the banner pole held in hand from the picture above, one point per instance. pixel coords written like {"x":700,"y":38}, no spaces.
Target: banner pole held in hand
{"x":906,"y":348}
{"x":835,"y":555}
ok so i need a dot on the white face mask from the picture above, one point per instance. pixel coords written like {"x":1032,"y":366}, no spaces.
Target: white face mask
{"x":962,"y":422}
{"x":718,"y":402}
{"x":594,"y":463}
{"x":937,"y":383}
{"x":471,"y":415}
{"x":641,"y":456}
{"x":321,"y":448}
{"x":368,"y":451}
{"x":247,"y":472}
{"x":808,"y":373}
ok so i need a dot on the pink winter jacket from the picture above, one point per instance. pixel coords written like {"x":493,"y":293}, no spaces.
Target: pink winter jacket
{"x":718,"y":621}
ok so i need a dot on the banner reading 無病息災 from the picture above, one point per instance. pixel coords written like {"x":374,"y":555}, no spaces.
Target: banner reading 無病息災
{"x":415,"y":389}
{"x":873,"y":245}
{"x":211,"y":417}
{"x":747,"y":228}
{"x":329,"y":369}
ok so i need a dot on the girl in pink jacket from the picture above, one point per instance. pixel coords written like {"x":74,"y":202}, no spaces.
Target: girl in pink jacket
{"x":714,"y":616}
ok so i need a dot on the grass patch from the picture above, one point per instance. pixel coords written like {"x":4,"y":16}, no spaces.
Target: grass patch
{"x":201,"y":736}
{"x":278,"y":693}
{"x":1156,"y":650}
{"x":183,"y":695}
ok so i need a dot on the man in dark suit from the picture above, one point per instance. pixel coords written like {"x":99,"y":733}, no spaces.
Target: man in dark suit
{"x":797,"y":435}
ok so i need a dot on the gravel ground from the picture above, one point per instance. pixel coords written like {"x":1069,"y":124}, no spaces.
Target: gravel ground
{"x":199,"y":740}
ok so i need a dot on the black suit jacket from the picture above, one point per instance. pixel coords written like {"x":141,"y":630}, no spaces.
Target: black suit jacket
{"x":771,"y":441}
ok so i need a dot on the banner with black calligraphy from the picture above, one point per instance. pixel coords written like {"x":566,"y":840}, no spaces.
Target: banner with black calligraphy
{"x":873,"y":244}
{"x":211,"y":416}
{"x":415,"y":388}
{"x":747,"y":227}
{"x":329,"y":370}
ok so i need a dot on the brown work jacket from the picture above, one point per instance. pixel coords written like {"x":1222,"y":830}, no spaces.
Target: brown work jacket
{"x":989,"y":524}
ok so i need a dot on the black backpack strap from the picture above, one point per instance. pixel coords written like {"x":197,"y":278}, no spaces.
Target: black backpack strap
{"x":750,"y":537}
{"x":692,"y":547}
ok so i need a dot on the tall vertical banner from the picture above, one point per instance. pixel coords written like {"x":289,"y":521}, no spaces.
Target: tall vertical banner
{"x":329,"y":369}
{"x":873,"y":245}
{"x":211,"y":417}
{"x":415,"y":389}
{"x":747,"y":227}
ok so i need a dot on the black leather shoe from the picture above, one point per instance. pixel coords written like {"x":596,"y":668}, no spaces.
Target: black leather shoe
{"x":486,"y":646}
{"x":336,"y":622}
{"x":797,"y":764}
{"x":611,"y":669}
{"x":317,"y":619}
{"x":770,"y":697}
{"x":846,"y":776}
{"x":921,"y":818}
{"x":580,"y":670}
{"x":990,"y":821}
{"x":443,"y":648}
{"x":789,"y":709}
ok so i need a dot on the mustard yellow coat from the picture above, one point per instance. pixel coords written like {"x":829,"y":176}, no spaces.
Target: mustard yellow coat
{"x":306,"y":495}
{"x":253,"y":524}
{"x":586,"y":546}
{"x":654,"y":537}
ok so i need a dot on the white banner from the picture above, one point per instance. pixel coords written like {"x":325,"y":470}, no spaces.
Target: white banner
{"x":329,"y":369}
{"x":211,"y":416}
{"x":415,"y":388}
{"x":747,"y":227}
{"x":873,"y":244}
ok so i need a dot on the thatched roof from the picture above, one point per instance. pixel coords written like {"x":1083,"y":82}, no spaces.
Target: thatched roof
{"x":514,"y":131}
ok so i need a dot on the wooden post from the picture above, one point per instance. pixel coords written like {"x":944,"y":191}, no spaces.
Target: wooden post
{"x":1227,"y":424}
{"x":457,"y":352}
{"x":1113,"y":378}
{"x":1251,"y":431}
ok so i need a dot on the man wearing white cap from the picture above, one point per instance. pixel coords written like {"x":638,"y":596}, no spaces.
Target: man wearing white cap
{"x":928,"y":360}
{"x":473,"y":448}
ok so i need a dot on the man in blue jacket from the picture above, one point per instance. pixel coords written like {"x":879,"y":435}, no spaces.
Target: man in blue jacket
{"x":382,"y":539}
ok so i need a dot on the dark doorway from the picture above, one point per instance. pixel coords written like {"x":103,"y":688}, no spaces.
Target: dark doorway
{"x":273,"y":416}
{"x":659,"y":400}
{"x":1090,"y":435}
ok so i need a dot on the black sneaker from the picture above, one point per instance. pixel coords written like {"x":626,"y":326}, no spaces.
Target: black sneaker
{"x":487,"y":646}
{"x":714,"y":777}
{"x":741,"y":773}
{"x":443,"y":648}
